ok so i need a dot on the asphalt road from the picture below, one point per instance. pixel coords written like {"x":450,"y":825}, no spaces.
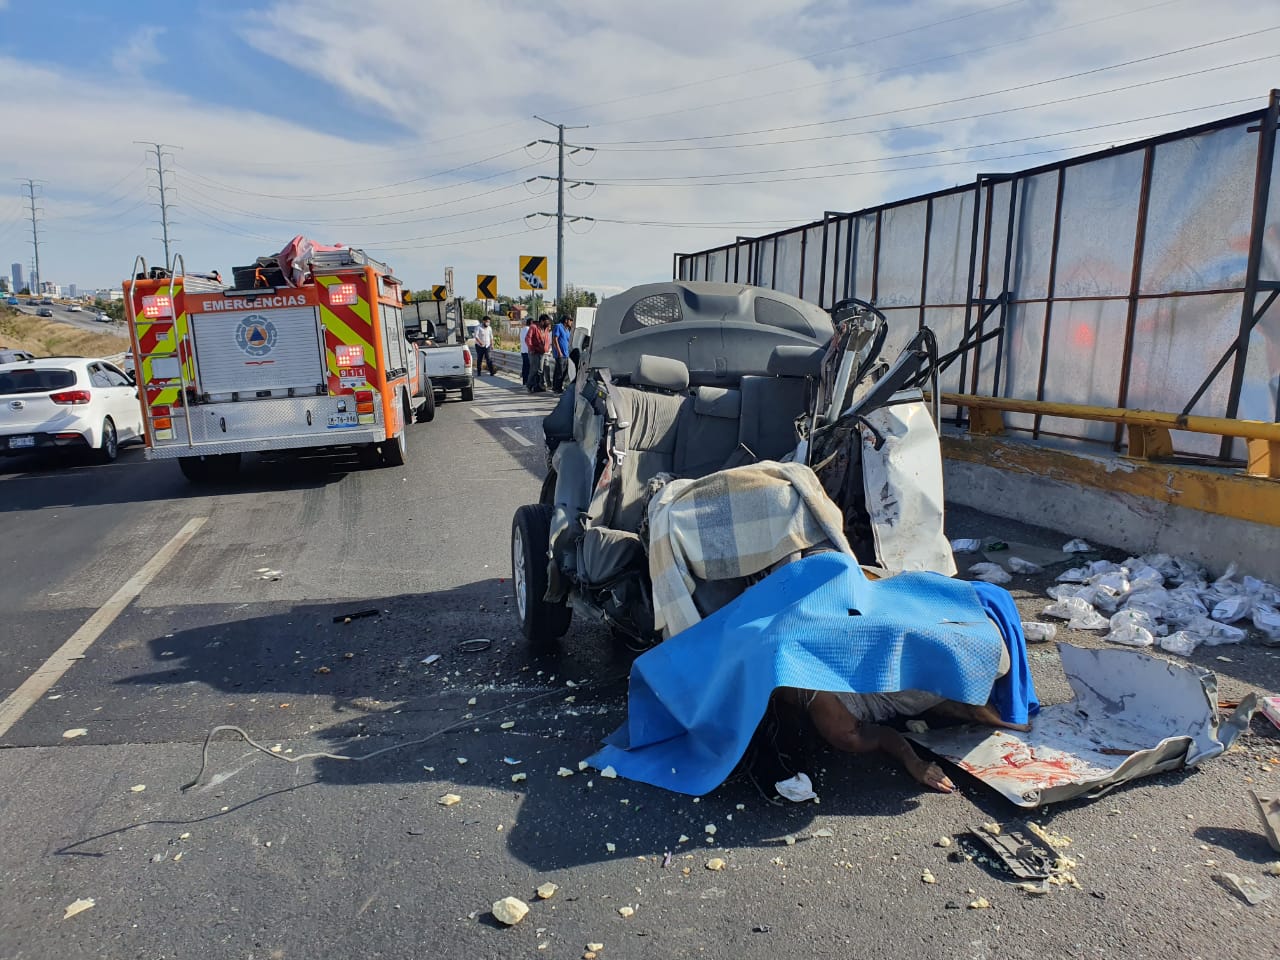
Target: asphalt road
{"x":333,"y":858}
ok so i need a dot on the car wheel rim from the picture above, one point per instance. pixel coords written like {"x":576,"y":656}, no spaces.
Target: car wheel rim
{"x":518,"y":577}
{"x":110,"y":443}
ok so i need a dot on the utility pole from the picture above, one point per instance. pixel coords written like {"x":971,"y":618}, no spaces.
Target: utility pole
{"x":157,"y":149}
{"x":560,"y":144}
{"x":33,"y":284}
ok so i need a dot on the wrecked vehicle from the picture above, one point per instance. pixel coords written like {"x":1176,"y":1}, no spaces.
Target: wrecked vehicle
{"x":684,"y":380}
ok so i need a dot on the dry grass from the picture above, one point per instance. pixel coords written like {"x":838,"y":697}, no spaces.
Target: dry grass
{"x":48,"y":338}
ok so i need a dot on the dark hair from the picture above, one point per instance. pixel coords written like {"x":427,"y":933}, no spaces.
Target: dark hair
{"x":543,"y":316}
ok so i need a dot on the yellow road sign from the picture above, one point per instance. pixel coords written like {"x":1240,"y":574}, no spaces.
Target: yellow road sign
{"x":533,"y":273}
{"x":439,"y":291}
{"x":486,"y":286}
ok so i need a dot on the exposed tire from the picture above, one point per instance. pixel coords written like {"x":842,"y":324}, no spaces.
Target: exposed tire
{"x":427,"y":412}
{"x":542,"y":623}
{"x":395,"y":452}
{"x":368,"y":455}
{"x":195,"y":469}
{"x":548,"y":494}
{"x":468,"y":393}
{"x":109,"y":446}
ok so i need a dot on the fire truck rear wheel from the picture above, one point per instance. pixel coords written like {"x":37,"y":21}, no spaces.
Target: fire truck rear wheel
{"x":216,"y":469}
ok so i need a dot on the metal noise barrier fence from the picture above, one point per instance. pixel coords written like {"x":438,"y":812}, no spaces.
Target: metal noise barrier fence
{"x":1137,"y":277}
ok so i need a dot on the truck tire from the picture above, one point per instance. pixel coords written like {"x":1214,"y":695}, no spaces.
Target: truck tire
{"x":427,"y":412}
{"x":542,"y":623}
{"x":222,"y":468}
{"x":468,"y":393}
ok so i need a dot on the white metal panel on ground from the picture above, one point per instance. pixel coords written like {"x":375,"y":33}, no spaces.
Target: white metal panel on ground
{"x":1132,"y":715}
{"x":248,"y":351}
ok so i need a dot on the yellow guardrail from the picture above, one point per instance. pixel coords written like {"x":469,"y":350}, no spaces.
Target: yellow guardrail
{"x":1148,"y":430}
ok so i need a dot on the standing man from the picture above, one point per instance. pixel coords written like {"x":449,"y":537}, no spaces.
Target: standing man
{"x":484,"y":344}
{"x":524,"y":352}
{"x":539,"y":343}
{"x":560,"y":339}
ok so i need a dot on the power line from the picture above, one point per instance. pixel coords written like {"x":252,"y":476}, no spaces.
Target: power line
{"x":896,"y":128}
{"x":712,"y":179}
{"x":560,"y":220}
{"x":936,"y":103}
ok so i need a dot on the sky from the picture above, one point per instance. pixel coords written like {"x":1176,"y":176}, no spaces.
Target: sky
{"x":408,"y":129}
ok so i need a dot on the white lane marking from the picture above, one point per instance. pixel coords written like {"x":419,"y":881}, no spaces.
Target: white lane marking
{"x":51,"y":671}
{"x":479,"y":411}
{"x":523,"y":441}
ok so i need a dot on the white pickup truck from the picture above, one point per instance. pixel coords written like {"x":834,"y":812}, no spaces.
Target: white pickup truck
{"x":438,"y":328}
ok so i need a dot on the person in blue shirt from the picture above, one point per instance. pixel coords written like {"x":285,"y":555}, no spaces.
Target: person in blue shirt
{"x":561,"y":335}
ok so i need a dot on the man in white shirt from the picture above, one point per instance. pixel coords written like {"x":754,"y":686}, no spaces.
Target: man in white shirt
{"x":484,"y":344}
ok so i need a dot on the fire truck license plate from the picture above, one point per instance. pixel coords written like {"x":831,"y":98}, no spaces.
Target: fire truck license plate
{"x":344,"y":420}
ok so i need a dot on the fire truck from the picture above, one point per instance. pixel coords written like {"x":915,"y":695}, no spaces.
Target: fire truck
{"x":309,"y":354}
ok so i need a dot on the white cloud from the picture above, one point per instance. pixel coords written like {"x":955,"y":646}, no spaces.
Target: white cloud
{"x":141,"y":51}
{"x":453,"y":83}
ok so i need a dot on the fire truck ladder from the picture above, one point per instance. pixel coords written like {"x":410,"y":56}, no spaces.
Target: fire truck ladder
{"x":142,"y":326}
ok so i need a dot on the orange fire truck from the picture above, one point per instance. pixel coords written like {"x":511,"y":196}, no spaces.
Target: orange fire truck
{"x":315,"y":359}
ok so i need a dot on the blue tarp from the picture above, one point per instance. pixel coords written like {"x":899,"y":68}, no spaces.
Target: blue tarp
{"x":818,"y":624}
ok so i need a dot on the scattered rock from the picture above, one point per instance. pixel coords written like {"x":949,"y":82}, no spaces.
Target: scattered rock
{"x":547,"y":891}
{"x":564,"y":772}
{"x":597,"y":947}
{"x":609,"y":773}
{"x":928,"y":877}
{"x":322,"y":669}
{"x":789,"y":840}
{"x":943,"y":842}
{"x":449,"y":799}
{"x":626,"y":912}
{"x":137,"y":788}
{"x":461,"y":760}
{"x":683,"y":839}
{"x":715,"y":863}
{"x":824,"y":832}
{"x":177,"y":857}
{"x":71,"y":735}
{"x":517,"y":777}
{"x":982,"y":903}
{"x":1272,"y":869}
{"x":610,"y":847}
{"x":184,"y":836}
{"x":992,"y":828}
{"x":510,"y":910}
{"x":582,"y":765}
{"x":78,"y":906}
{"x":506,"y":725}
{"x":348,"y":656}
{"x":710,"y":828}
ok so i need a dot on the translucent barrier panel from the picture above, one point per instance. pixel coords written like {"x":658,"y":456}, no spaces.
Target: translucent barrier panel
{"x":1033,"y":237}
{"x":949,"y":236}
{"x":862,"y":256}
{"x":1086,"y":343}
{"x":684,"y":264}
{"x":1099,"y":217}
{"x":901,"y":255}
{"x":717,"y":260}
{"x":1262,"y":368}
{"x":1176,"y":342}
{"x":1024,"y":338}
{"x":1000,"y":193}
{"x":786,"y":277}
{"x":947,"y":324}
{"x":762,"y":262}
{"x":740,"y":269}
{"x":903,"y":324}
{"x":1269,"y":269}
{"x":813,"y":262}
{"x":837,"y":249}
{"x":1200,"y":212}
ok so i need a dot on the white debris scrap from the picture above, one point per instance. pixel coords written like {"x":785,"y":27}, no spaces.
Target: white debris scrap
{"x":990,"y":572}
{"x":449,"y":799}
{"x":564,"y":772}
{"x":798,"y":789}
{"x":1076,"y":546}
{"x":966,"y":545}
{"x":78,"y":906}
{"x":1078,"y":612}
{"x":1037,"y":632}
{"x":609,"y":773}
{"x":510,"y":910}
{"x":73,"y":733}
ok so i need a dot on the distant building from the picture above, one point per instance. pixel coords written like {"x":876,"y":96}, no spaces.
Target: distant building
{"x":50,"y":289}
{"x":112,"y":294}
{"x":6,"y":285}
{"x":15,"y":272}
{"x":72,"y":291}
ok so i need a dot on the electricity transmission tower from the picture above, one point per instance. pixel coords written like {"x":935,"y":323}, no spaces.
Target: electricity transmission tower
{"x":163,"y":203}
{"x":34,"y":283}
{"x":560,"y":145}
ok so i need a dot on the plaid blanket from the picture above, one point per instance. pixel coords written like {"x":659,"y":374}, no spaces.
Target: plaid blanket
{"x":731,"y":524}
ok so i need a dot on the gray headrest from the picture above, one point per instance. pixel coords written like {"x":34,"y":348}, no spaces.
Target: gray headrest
{"x":717,"y":402}
{"x":795,"y":360}
{"x":662,"y":373}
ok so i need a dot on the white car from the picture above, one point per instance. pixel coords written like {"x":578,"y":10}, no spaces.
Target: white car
{"x":67,"y":403}
{"x":75,"y":308}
